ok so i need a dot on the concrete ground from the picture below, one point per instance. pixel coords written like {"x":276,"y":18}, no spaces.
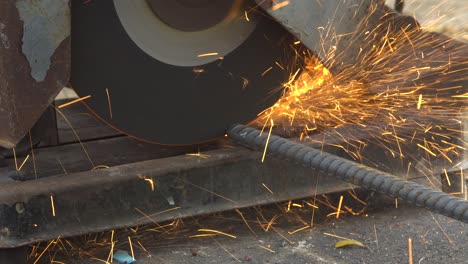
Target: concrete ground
{"x":384,"y":230}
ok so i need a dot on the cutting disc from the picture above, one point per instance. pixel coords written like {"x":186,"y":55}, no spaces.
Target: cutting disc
{"x":169,"y":72}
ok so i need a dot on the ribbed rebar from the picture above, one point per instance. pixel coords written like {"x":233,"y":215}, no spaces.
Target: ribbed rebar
{"x":353,"y":172}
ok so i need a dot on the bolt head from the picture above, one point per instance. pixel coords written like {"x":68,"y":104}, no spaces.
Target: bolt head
{"x":20,"y":208}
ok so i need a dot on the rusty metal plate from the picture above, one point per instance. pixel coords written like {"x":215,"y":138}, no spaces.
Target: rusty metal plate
{"x":34,"y":64}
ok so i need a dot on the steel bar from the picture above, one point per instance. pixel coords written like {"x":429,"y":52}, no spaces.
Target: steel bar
{"x":353,"y":172}
{"x":150,"y":191}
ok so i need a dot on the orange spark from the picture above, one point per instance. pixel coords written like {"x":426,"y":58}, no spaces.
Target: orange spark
{"x":24,"y":161}
{"x":76,"y":136}
{"x":111,"y":252}
{"x":151,"y":182}
{"x":74,"y":101}
{"x":32,"y":154}
{"x":42,"y":253}
{"x":203,"y":235}
{"x":14,"y":156}
{"x":289,"y":206}
{"x":463,"y":184}
{"x":267,"y":70}
{"x":330,"y":214}
{"x":109,"y":103}
{"x":207,"y":54}
{"x":216,"y":232}
{"x":158,"y":213}
{"x":419,"y":102}
{"x":339,"y":207}
{"x":299,"y":229}
{"x":426,"y":149}
{"x":245,"y":82}
{"x":270,"y":223}
{"x":266,"y":187}
{"x":279,"y":65}
{"x":142,"y":247}
{"x":333,"y":235}
{"x":227,"y":251}
{"x":245,"y":221}
{"x":131,"y":247}
{"x":317,"y":102}
{"x":410,"y":251}
{"x":206,"y":190}
{"x":267,"y":140}
{"x":465,"y":95}
{"x":356,"y":198}
{"x":52,"y":205}
{"x":376,"y":239}
{"x":447,"y":177}
{"x":312,"y":205}
{"x":279,"y":5}
{"x":98,"y":167}
{"x":198,"y":154}
{"x":268,"y":249}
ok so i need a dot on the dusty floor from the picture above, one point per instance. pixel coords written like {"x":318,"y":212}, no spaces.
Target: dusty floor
{"x":384,"y":230}
{"x":393,"y":228}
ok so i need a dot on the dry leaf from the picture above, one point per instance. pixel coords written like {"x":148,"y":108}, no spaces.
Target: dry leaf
{"x":348,"y":242}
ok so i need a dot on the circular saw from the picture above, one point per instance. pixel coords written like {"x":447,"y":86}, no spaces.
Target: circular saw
{"x":183,"y":71}
{"x":177,"y":72}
